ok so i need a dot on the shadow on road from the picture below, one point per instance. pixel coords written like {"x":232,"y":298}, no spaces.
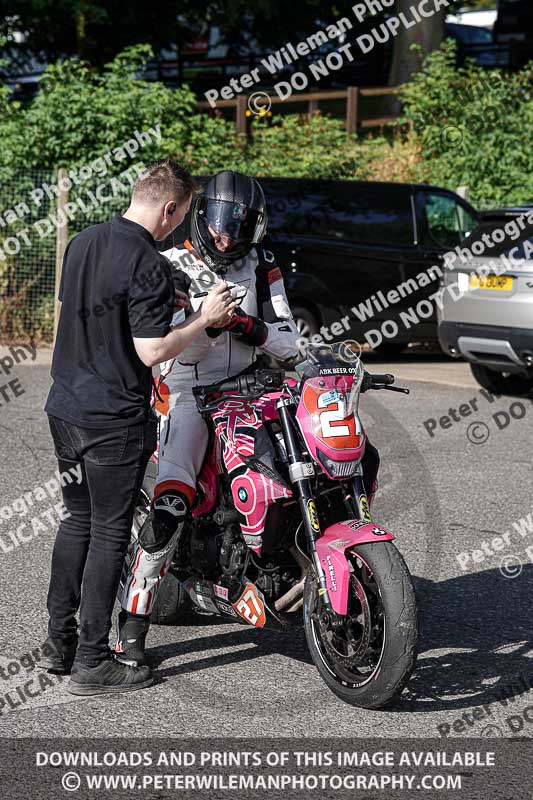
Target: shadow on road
{"x":476,"y":643}
{"x":480,"y":626}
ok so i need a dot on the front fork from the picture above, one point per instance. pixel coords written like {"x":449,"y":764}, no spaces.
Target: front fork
{"x":300,"y":472}
{"x":359,"y":503}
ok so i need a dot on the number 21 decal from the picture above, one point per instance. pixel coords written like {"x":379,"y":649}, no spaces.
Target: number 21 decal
{"x":333,"y":415}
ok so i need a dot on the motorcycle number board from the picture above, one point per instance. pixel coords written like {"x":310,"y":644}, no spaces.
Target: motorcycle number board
{"x":250,"y":607}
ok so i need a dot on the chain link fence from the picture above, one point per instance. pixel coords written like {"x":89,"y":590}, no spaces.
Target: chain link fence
{"x":39,"y":213}
{"x":27,"y":259}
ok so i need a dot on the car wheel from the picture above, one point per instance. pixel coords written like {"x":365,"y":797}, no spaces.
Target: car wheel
{"x":307,"y":325}
{"x":502,"y":382}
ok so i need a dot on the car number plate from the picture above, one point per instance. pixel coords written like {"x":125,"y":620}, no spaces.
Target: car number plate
{"x":499,"y":282}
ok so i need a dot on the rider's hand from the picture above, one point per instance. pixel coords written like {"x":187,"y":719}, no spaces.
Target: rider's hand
{"x":218,"y":307}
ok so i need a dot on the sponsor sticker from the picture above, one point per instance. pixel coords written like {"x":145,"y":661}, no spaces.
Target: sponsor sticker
{"x":365,"y":508}
{"x":313,"y":515}
{"x":331,"y":570}
{"x":337,"y":371}
{"x":205,"y":602}
{"x":333,"y":396}
{"x":221,"y":591}
{"x":226,"y":608}
{"x":358,"y":523}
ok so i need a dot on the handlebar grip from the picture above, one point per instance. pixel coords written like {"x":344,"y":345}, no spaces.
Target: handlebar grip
{"x":224,"y":386}
{"x":386,"y":379}
{"x":263,"y":378}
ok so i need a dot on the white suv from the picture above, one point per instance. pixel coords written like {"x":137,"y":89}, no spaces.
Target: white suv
{"x":487,"y":302}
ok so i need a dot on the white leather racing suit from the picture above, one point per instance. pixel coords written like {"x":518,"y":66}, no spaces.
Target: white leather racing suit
{"x":184,"y":436}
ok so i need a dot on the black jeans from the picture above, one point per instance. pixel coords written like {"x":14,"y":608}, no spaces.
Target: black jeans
{"x":91,"y":543}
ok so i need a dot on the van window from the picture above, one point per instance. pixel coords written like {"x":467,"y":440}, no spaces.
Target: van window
{"x":341,"y":212}
{"x":449,"y":222}
{"x":292,"y":209}
{"x":380,"y":215}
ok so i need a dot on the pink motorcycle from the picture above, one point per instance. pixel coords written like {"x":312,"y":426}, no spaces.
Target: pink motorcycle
{"x":283,"y":521}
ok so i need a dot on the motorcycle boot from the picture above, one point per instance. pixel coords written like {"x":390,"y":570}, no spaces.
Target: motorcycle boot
{"x":149,"y":558}
{"x":131,"y":639}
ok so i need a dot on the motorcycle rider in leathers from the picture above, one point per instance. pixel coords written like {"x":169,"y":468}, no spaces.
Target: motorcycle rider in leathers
{"x":228,"y":221}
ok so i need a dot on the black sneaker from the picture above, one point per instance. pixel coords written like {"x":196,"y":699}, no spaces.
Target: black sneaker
{"x":109,"y":676}
{"x":57,"y":655}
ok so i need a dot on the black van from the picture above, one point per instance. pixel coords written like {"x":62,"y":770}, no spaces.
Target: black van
{"x":360,"y":253}
{"x":356,"y":255}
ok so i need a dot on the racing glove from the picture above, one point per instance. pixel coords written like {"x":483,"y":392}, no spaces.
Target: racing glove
{"x":250,"y":330}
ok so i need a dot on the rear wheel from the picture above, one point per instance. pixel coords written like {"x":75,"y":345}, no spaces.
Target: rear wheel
{"x":367,"y":657}
{"x":173,"y":605}
{"x":507,"y":383}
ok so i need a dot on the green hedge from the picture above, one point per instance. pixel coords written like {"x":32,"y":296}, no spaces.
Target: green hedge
{"x":474,"y":127}
{"x":465,"y":126}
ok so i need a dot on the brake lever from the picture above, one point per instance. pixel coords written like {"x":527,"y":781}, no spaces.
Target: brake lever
{"x":390,"y":388}
{"x":397,"y":389}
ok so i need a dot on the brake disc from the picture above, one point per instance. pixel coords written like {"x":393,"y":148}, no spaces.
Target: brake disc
{"x":354,"y":648}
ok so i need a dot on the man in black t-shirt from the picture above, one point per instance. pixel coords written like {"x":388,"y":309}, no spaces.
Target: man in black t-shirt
{"x":118,"y":299}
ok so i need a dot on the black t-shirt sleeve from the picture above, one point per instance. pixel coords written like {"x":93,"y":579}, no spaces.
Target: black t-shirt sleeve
{"x":150,"y":299}
{"x":62,"y":281}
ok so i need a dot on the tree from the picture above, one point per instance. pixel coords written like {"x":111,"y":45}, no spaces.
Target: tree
{"x":96,"y":30}
{"x":427,"y":34}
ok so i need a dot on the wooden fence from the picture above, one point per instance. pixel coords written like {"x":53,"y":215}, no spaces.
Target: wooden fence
{"x":351,"y":95}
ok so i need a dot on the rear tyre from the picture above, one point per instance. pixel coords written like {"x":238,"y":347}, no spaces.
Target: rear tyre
{"x":172,"y":605}
{"x":368,"y":659}
{"x":507,"y":383}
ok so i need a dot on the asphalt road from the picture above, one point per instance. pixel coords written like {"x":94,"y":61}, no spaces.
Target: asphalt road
{"x":444,"y":496}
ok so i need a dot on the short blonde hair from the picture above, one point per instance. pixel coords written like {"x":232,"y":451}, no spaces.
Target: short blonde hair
{"x":164,"y":180}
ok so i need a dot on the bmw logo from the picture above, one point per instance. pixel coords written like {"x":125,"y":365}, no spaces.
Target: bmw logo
{"x":243,"y":495}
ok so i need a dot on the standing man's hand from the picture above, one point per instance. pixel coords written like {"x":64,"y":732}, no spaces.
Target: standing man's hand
{"x":218,"y":307}
{"x":181,"y":300}
{"x":216,"y":311}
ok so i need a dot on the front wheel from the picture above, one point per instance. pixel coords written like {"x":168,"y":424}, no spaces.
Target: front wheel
{"x":367,"y":657}
{"x":507,"y":383}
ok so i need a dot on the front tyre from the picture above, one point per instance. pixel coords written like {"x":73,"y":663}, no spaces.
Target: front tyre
{"x":367,"y":657}
{"x":506,"y":383}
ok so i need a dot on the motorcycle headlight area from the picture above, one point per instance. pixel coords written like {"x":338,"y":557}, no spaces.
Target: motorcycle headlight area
{"x":339,"y":469}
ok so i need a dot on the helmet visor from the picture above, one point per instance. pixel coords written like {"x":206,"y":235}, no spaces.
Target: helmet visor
{"x":236,"y":220}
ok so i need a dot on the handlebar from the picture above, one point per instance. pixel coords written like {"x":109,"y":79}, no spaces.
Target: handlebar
{"x":384,"y":381}
{"x":259,"y":380}
{"x":254,"y":384}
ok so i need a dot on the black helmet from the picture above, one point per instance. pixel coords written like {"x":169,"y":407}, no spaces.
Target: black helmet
{"x":233,"y":204}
